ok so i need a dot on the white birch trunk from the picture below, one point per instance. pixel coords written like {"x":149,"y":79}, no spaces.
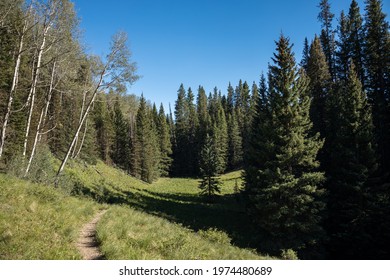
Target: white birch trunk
{"x":34,"y":87}
{"x":82,"y":139}
{"x":81,"y":116}
{"x":79,"y":127}
{"x":42,"y":120}
{"x":15,"y":80}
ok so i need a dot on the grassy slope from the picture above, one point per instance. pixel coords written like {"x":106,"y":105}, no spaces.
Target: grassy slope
{"x":163,"y":220}
{"x":166,"y":219}
{"x":39,"y":222}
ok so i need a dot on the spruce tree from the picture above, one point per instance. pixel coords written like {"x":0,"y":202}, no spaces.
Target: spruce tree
{"x":377,"y":65}
{"x":193,"y":124}
{"x":209,"y":168}
{"x":180,"y":149}
{"x":352,"y":162}
{"x":343,"y":52}
{"x":327,"y":35}
{"x":220,"y":138}
{"x":148,"y":152}
{"x":319,"y":88}
{"x":356,"y":39}
{"x":104,"y":129}
{"x":235,"y":154}
{"x":230,"y":99}
{"x":121,"y":146}
{"x":165,"y":143}
{"x":305,"y":54}
{"x":282,"y":184}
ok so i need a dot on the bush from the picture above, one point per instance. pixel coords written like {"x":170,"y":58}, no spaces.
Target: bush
{"x":42,"y":169}
{"x":289,"y":254}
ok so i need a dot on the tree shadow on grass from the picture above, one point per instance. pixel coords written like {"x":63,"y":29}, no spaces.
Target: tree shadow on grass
{"x":193,"y":211}
{"x":226,"y":213}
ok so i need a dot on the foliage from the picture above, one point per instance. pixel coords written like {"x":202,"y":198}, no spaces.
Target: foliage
{"x":282,"y":185}
{"x":210,"y":167}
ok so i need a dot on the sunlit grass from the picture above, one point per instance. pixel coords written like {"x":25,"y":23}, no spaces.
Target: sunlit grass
{"x":39,"y":222}
{"x":129,"y":234}
{"x":164,"y":220}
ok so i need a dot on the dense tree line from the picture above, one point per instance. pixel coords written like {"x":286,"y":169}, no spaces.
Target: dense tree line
{"x":312,"y":138}
{"x":317,"y":168}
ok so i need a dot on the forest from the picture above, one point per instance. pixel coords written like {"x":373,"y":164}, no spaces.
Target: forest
{"x":310,"y":138}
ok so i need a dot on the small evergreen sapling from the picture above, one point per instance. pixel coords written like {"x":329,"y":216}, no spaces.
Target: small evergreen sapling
{"x":209,"y":167}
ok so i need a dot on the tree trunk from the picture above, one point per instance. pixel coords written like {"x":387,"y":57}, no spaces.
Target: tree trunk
{"x":42,"y":120}
{"x":13,"y":88}
{"x":34,"y":86}
{"x":82,"y":139}
{"x":51,"y":88}
{"x":79,"y":127}
{"x":81,"y":116}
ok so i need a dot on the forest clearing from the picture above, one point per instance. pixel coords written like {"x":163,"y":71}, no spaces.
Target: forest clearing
{"x":291,"y":164}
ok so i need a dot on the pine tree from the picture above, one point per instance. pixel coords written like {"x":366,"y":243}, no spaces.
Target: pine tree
{"x":209,"y":167}
{"x":305,"y":54}
{"x":220,"y":138}
{"x":180,"y":151}
{"x":343,"y":52}
{"x":319,"y":88}
{"x":377,"y":65}
{"x":121,"y":145}
{"x":353,"y":161}
{"x":327,"y":35}
{"x":350,"y":42}
{"x":193,"y":127}
{"x":147,"y":152}
{"x":104,"y":129}
{"x":235,"y":153}
{"x":281,"y":182}
{"x":165,"y":143}
{"x":230,"y":99}
{"x":356,"y":39}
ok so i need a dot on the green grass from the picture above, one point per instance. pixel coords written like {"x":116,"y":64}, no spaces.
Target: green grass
{"x":39,"y":222}
{"x":164,"y":220}
{"x":129,"y":234}
{"x":176,"y":200}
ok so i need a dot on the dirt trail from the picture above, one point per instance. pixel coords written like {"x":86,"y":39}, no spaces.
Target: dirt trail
{"x":87,"y":243}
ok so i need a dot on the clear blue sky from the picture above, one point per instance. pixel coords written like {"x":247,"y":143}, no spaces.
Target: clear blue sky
{"x":200,"y":42}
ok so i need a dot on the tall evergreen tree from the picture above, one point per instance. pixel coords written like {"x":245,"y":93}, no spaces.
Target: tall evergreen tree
{"x":377,"y":65}
{"x":121,"y":146}
{"x":356,"y":39}
{"x":230,"y":99}
{"x":235,"y":154}
{"x":193,"y":124}
{"x":220,"y":137}
{"x":320,"y":84}
{"x":343,"y":52}
{"x":327,"y":35}
{"x":165,"y":143}
{"x":180,"y":151}
{"x":104,"y":129}
{"x":281,"y":181}
{"x":352,"y":163}
{"x":305,"y":54}
{"x":148,"y":152}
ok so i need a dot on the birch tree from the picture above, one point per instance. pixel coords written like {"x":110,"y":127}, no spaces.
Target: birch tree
{"x":26,"y":27}
{"x":115,"y":72}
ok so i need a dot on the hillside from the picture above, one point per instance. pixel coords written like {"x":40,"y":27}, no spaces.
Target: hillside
{"x":163,"y":220}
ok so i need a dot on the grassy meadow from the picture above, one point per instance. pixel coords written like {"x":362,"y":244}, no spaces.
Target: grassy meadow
{"x":164,"y":220}
{"x":39,"y":222}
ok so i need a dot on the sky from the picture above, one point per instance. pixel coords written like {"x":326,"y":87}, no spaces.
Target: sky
{"x":200,"y":42}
